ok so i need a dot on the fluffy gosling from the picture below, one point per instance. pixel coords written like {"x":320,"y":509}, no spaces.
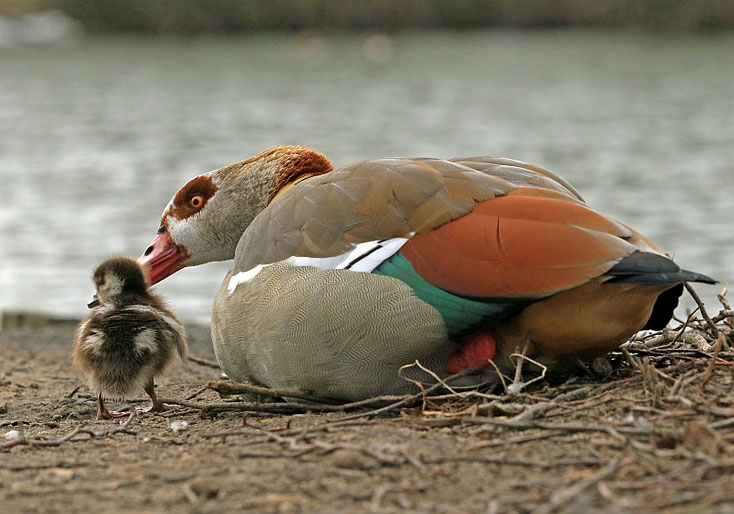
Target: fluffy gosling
{"x":129,"y":337}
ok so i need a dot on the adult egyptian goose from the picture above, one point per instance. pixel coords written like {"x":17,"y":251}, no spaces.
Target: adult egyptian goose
{"x":129,"y":337}
{"x":341,"y":277}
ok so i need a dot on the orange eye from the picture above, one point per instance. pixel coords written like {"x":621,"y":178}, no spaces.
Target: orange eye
{"x":196,"y":201}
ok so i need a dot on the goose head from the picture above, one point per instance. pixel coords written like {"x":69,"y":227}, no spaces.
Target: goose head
{"x":206,"y":217}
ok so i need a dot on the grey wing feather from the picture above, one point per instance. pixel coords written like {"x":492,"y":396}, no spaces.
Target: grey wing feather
{"x":520,"y":173}
{"x":326,"y":215}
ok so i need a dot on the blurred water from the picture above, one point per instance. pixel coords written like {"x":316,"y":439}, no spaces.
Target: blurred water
{"x":95,"y":137}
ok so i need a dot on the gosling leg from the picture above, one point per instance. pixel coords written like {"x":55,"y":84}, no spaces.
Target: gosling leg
{"x":103,"y":413}
{"x":157,"y":404}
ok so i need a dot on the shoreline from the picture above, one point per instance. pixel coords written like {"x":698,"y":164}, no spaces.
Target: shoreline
{"x":11,"y":319}
{"x":200,"y":16}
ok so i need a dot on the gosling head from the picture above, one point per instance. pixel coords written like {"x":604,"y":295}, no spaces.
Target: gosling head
{"x":115,"y":277}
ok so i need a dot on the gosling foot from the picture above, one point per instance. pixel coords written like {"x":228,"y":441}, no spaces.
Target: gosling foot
{"x":158,"y":406}
{"x":103,"y":413}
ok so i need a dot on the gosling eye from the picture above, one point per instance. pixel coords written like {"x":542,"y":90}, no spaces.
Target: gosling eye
{"x":196,"y":201}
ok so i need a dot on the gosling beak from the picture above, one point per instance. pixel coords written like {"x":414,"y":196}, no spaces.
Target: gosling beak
{"x":94,"y":303}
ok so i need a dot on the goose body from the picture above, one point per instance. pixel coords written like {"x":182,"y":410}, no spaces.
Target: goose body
{"x":128,"y":338}
{"x":342,"y":277}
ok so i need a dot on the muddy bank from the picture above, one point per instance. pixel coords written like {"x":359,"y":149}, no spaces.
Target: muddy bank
{"x":653,"y":431}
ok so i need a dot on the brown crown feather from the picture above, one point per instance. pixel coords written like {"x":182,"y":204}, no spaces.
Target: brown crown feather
{"x":296,"y":163}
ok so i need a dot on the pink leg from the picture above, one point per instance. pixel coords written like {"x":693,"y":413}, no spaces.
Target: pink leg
{"x":475,"y":350}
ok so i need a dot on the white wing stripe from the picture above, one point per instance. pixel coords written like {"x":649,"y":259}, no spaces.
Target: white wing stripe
{"x":244,"y":276}
{"x":372,"y":260}
{"x":363,"y":258}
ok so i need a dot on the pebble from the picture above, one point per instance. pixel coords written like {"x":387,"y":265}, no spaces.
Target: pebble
{"x":602,"y":366}
{"x":515,"y":387}
{"x":351,"y":459}
{"x":179,"y":426}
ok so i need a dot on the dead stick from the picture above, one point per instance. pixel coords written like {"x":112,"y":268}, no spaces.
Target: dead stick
{"x":322,"y":427}
{"x":722,"y":315}
{"x":273,"y":408}
{"x":724,"y":423}
{"x":20,"y":441}
{"x":203,"y":362}
{"x":282,"y":408}
{"x":710,"y":369}
{"x":698,"y":301}
{"x":508,"y":461}
{"x":196,"y":393}
{"x":517,"y":383}
{"x":534,"y":412}
{"x":515,"y":440}
{"x":124,"y":428}
{"x":240,"y":388}
{"x":408,"y":400}
{"x":684,"y":326}
{"x":481,"y":420}
{"x":565,"y":496}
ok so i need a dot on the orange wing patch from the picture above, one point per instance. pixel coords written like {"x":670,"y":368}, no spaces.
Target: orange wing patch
{"x":529,"y":243}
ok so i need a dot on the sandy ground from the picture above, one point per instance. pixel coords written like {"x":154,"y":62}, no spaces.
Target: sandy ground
{"x":652,"y":433}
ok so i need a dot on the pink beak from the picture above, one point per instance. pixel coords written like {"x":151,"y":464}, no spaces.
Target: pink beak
{"x":163,"y":257}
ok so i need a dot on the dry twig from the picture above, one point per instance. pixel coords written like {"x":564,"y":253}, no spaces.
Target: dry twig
{"x":710,"y":368}
{"x":567,"y":495}
{"x":203,"y":362}
{"x":698,"y":301}
{"x":22,"y":440}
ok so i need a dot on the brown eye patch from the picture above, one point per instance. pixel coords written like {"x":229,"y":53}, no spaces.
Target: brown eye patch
{"x":191,"y":198}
